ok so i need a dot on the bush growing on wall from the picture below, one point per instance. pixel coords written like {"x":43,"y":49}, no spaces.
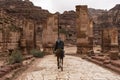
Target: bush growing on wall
{"x":37,"y":53}
{"x":15,"y":57}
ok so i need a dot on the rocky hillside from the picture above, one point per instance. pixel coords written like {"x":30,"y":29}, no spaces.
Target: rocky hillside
{"x":94,"y":13}
{"x":68,"y":18}
{"x":111,"y":18}
{"x":25,"y":9}
{"x":115,"y":15}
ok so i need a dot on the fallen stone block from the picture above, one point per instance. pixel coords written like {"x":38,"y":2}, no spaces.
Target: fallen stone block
{"x":16,"y":65}
{"x":114,"y":55}
{"x":116,"y":63}
{"x":113,"y":68}
{"x":106,"y":62}
{"x":98,"y":58}
{"x":2,"y":74}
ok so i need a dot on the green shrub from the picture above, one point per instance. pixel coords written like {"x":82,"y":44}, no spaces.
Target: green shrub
{"x":62,"y":31}
{"x":16,"y":57}
{"x":37,"y":53}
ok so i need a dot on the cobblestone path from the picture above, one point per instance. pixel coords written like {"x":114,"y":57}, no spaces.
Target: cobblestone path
{"x":75,"y":68}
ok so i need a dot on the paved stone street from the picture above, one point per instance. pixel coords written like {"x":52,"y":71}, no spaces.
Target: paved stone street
{"x":75,"y":68}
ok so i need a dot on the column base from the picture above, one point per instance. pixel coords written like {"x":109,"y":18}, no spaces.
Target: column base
{"x":83,"y":49}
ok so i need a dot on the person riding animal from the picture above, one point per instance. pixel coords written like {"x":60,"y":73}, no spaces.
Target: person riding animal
{"x":59,"y":51}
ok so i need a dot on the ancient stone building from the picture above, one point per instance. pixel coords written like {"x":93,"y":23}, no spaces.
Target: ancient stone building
{"x":27,"y":39}
{"x":50,"y":33}
{"x":16,"y":33}
{"x":97,"y":32}
{"x":110,"y":39}
{"x":114,"y":36}
{"x":105,"y":40}
{"x":106,"y":19}
{"x":84,"y":29}
{"x":119,"y":38}
{"x":38,"y":35}
{"x":29,"y":18}
{"x":9,"y":32}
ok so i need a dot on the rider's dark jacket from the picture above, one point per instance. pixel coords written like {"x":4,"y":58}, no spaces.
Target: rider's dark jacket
{"x":59,"y":45}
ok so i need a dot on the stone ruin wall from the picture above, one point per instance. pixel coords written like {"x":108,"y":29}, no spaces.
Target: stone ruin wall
{"x":110,"y":39}
{"x":50,"y":33}
{"x":15,"y":33}
{"x":84,"y":29}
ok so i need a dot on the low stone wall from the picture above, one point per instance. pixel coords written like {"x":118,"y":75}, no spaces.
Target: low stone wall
{"x":8,"y":68}
{"x":106,"y":62}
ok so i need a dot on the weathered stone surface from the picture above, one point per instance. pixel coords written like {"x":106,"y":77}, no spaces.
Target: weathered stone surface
{"x":106,"y":62}
{"x":16,"y":33}
{"x":8,"y":68}
{"x":98,"y":58}
{"x":75,"y":68}
{"x":28,"y":18}
{"x":110,"y":39}
{"x":9,"y":33}
{"x":20,"y":9}
{"x":114,"y":55}
{"x":50,"y":33}
{"x":116,"y":63}
{"x":95,"y":13}
{"x":106,"y":19}
{"x":68,"y":24}
{"x":2,"y":74}
{"x":84,"y":29}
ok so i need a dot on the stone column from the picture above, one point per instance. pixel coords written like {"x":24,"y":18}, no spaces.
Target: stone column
{"x":23,"y":45}
{"x":50,"y":33}
{"x":114,"y":51}
{"x":106,"y":40}
{"x":84,"y":29}
{"x":114,"y":38}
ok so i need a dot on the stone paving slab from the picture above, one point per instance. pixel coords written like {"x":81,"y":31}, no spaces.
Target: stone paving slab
{"x":75,"y":68}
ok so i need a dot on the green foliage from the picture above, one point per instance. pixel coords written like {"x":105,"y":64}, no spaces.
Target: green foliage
{"x":13,"y":28}
{"x":16,"y":57}
{"x":62,"y":31}
{"x":37,"y":53}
